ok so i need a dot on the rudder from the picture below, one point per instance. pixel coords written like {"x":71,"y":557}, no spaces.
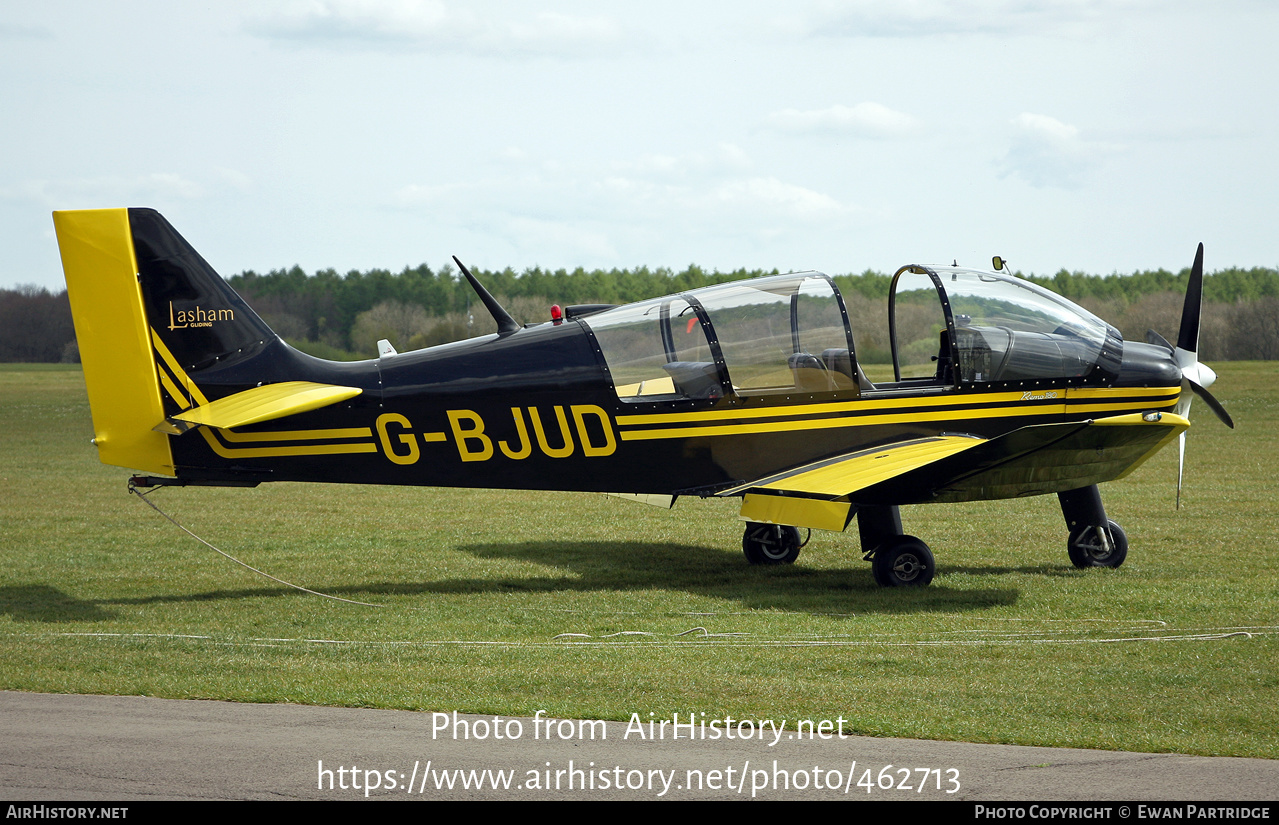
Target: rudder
{"x":115,"y":343}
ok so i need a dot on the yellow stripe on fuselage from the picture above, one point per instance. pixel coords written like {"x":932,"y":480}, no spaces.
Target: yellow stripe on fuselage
{"x":854,"y":413}
{"x":276,"y":452}
{"x":862,"y":405}
{"x":298,"y":435}
{"x":195,"y":394}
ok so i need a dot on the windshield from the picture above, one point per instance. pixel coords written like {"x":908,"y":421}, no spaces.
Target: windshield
{"x":777,"y":333}
{"x":1004,"y":329}
{"x":657,"y":349}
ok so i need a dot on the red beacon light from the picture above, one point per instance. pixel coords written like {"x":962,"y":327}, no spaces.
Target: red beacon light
{"x":557,"y":314}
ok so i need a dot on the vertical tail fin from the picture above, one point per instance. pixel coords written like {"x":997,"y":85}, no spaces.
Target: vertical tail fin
{"x":140,"y":293}
{"x":197,"y":315}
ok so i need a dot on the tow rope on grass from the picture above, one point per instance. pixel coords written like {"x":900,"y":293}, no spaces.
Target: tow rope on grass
{"x":134,"y":489}
{"x":701,"y":631}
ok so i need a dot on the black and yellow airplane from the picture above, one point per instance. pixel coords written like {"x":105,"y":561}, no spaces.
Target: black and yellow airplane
{"x":749,"y":389}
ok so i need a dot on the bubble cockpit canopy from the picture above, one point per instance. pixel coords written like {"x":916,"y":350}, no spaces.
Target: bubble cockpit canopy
{"x":766,"y":336}
{"x":788,"y":334}
{"x":990,"y":327}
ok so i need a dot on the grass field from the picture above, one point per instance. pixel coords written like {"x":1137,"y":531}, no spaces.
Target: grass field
{"x":1177,"y":651}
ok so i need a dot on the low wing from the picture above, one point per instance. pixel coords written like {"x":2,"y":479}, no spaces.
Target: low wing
{"x":1046,"y":458}
{"x":259,"y":404}
{"x":819,"y":494}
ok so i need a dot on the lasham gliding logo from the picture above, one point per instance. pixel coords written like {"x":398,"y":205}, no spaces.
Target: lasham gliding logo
{"x":197,"y":317}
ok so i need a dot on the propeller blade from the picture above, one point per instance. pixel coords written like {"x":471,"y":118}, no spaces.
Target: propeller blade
{"x":1195,"y":376}
{"x":1188,"y":337}
{"x":1213,"y":403}
{"x":1181,"y":464}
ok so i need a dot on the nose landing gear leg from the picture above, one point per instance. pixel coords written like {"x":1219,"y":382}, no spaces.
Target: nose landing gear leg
{"x":1095,"y":541}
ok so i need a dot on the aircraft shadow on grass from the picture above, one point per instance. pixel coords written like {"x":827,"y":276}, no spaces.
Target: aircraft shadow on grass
{"x":616,"y":566}
{"x":599,"y":566}
{"x":44,"y":603}
{"x":628,"y":566}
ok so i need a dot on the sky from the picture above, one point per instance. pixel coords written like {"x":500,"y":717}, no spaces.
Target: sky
{"x":1090,"y":135}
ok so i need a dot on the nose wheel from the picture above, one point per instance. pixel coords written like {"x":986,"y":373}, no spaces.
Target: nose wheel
{"x":1091,"y":544}
{"x":1097,"y":547}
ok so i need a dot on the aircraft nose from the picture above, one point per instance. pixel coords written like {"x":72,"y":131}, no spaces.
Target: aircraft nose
{"x":1148,"y":365}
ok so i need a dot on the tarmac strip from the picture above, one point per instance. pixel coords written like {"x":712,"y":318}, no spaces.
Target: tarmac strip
{"x":64,"y":747}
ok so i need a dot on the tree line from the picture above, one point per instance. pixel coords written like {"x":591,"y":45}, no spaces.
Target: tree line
{"x":338,"y":316}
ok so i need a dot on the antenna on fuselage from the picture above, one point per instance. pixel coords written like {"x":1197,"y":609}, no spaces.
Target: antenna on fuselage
{"x":505,"y":323}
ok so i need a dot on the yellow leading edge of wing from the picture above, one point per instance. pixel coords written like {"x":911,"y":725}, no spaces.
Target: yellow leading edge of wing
{"x":819,"y":484}
{"x":260,"y":404}
{"x":111,"y":327}
{"x":849,"y":473}
{"x":872,"y":466}
{"x":1167,"y":419}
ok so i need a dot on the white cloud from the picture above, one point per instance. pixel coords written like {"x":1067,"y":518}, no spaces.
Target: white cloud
{"x":867,"y":119}
{"x":725,"y":158}
{"x":738,"y":201}
{"x":1047,"y":152}
{"x":924,"y":18}
{"x":610,"y":213}
{"x":550,"y":31}
{"x":235,"y":179}
{"x":775,"y":198}
{"x":570,"y":240}
{"x":430,"y":24}
{"x":414,"y":194}
{"x":106,"y":191}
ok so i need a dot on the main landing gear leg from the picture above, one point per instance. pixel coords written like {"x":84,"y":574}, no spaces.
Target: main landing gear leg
{"x":897,"y":560}
{"x":1095,"y":541}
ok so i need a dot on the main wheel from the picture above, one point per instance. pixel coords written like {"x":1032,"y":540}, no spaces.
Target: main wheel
{"x":903,"y":561}
{"x":770,"y":543}
{"x":1089,"y":548}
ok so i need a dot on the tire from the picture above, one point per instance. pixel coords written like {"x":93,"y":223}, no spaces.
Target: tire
{"x":1087,"y":551}
{"x":903,"y":561}
{"x":770,"y":543}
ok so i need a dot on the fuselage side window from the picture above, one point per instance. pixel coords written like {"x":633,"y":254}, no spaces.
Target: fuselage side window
{"x":656,"y":350}
{"x":782,"y":334}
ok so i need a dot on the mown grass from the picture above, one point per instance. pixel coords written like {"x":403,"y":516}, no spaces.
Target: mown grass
{"x":1175,"y":651}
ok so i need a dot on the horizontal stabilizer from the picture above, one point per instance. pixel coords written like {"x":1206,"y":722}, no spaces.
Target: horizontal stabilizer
{"x":259,"y":404}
